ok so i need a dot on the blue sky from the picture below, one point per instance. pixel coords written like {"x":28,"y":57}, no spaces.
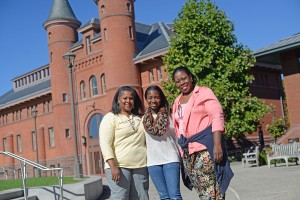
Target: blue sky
{"x":258,"y":23}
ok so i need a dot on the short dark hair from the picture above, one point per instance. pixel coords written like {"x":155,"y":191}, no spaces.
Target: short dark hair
{"x":164,"y":101}
{"x":187,"y":71}
{"x":138,"y":107}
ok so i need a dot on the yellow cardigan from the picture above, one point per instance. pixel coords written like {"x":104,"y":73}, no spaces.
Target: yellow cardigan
{"x":123,"y":139}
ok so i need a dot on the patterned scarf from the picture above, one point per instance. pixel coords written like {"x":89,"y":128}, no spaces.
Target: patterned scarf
{"x":156,"y":126}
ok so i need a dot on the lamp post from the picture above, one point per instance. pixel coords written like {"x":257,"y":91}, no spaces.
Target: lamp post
{"x":34,"y":112}
{"x":70,"y":57}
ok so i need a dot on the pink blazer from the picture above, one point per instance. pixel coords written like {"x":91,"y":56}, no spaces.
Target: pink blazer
{"x":202,"y":110}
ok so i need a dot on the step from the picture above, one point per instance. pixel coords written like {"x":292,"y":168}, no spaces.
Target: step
{"x":11,"y":194}
{"x":28,"y":198}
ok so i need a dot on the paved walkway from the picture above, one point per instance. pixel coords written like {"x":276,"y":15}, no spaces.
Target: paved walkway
{"x":249,"y":183}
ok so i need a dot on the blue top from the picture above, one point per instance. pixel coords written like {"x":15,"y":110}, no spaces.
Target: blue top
{"x":222,"y":170}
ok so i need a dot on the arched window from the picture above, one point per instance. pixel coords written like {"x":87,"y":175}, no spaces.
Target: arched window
{"x":102,"y":9}
{"x":128,"y":7}
{"x":103,"y":84}
{"x":130,"y":32}
{"x":82,"y":90}
{"x":93,"y":86}
{"x":94,"y":124}
{"x":105,"y":34}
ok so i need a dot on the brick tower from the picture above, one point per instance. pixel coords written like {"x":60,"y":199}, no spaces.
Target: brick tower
{"x":119,"y":44}
{"x":61,"y":27}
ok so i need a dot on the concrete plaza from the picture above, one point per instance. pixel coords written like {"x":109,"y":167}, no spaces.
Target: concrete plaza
{"x":249,"y":183}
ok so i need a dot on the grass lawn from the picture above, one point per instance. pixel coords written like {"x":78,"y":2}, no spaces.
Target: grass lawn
{"x":32,"y":182}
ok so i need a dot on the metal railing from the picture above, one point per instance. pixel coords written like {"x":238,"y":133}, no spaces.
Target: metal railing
{"x":24,"y":161}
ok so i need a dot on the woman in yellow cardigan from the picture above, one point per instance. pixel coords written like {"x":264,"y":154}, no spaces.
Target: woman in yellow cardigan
{"x":123,"y":145}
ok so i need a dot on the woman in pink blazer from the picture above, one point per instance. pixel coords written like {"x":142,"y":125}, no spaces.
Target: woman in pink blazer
{"x":199,"y":124}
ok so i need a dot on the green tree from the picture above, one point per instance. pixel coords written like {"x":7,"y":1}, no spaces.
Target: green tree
{"x":204,"y":42}
{"x":277,"y":128}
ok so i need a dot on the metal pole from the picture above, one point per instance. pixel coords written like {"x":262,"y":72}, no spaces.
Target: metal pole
{"x":61,"y":184}
{"x":77,"y":165}
{"x":23,"y":173}
{"x":36,"y":142}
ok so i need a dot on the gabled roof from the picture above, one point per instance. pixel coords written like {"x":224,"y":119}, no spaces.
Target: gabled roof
{"x":152,"y":40}
{"x":17,"y":96}
{"x":93,"y":21}
{"x":271,"y":53}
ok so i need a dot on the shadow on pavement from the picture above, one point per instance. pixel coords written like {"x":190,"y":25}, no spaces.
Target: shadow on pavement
{"x":106,"y":193}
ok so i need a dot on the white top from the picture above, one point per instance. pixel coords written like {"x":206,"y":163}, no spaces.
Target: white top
{"x":162,"y":149}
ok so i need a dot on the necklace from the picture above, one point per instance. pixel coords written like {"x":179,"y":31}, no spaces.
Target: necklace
{"x":131,"y":122}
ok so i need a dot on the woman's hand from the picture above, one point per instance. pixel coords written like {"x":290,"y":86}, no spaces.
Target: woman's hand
{"x":115,"y":171}
{"x":218,"y":151}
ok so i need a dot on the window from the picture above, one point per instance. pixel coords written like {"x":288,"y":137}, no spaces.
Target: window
{"x":102,"y":8}
{"x":19,"y":143}
{"x":93,"y":86}
{"x":67,"y":132}
{"x":130,"y":32}
{"x":88,"y":45}
{"x":128,"y":7}
{"x":64,"y":97}
{"x":94,"y":124}
{"x":49,"y":105}
{"x":33,"y":141}
{"x":82,"y":90}
{"x":105,"y":34}
{"x":103,"y":84}
{"x":151,"y":77}
{"x":51,"y":137}
{"x":32,"y":77}
{"x":5,"y":147}
{"x":44,"y":107}
{"x":159,"y":73}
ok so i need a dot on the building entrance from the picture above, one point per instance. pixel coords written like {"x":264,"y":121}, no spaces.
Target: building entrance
{"x":96,"y":162}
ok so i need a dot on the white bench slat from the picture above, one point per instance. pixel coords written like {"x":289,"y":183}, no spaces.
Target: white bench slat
{"x":284,"y":151}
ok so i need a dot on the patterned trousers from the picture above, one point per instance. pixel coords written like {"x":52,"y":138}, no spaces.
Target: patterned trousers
{"x":200,"y":170}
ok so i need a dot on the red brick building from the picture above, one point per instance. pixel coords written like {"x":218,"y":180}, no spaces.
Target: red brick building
{"x":112,"y":52}
{"x":286,"y":53}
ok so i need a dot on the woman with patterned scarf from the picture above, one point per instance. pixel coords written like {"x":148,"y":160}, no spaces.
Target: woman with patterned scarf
{"x":162,"y":152}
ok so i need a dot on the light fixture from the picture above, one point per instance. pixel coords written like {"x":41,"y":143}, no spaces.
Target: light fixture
{"x":70,"y":57}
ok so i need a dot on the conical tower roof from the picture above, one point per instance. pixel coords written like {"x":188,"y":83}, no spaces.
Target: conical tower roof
{"x":61,"y":9}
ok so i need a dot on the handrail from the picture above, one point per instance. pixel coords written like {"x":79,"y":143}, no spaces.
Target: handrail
{"x":24,"y":161}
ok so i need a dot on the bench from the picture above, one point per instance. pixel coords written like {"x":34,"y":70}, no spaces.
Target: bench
{"x":283,"y":151}
{"x":251,"y":158}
